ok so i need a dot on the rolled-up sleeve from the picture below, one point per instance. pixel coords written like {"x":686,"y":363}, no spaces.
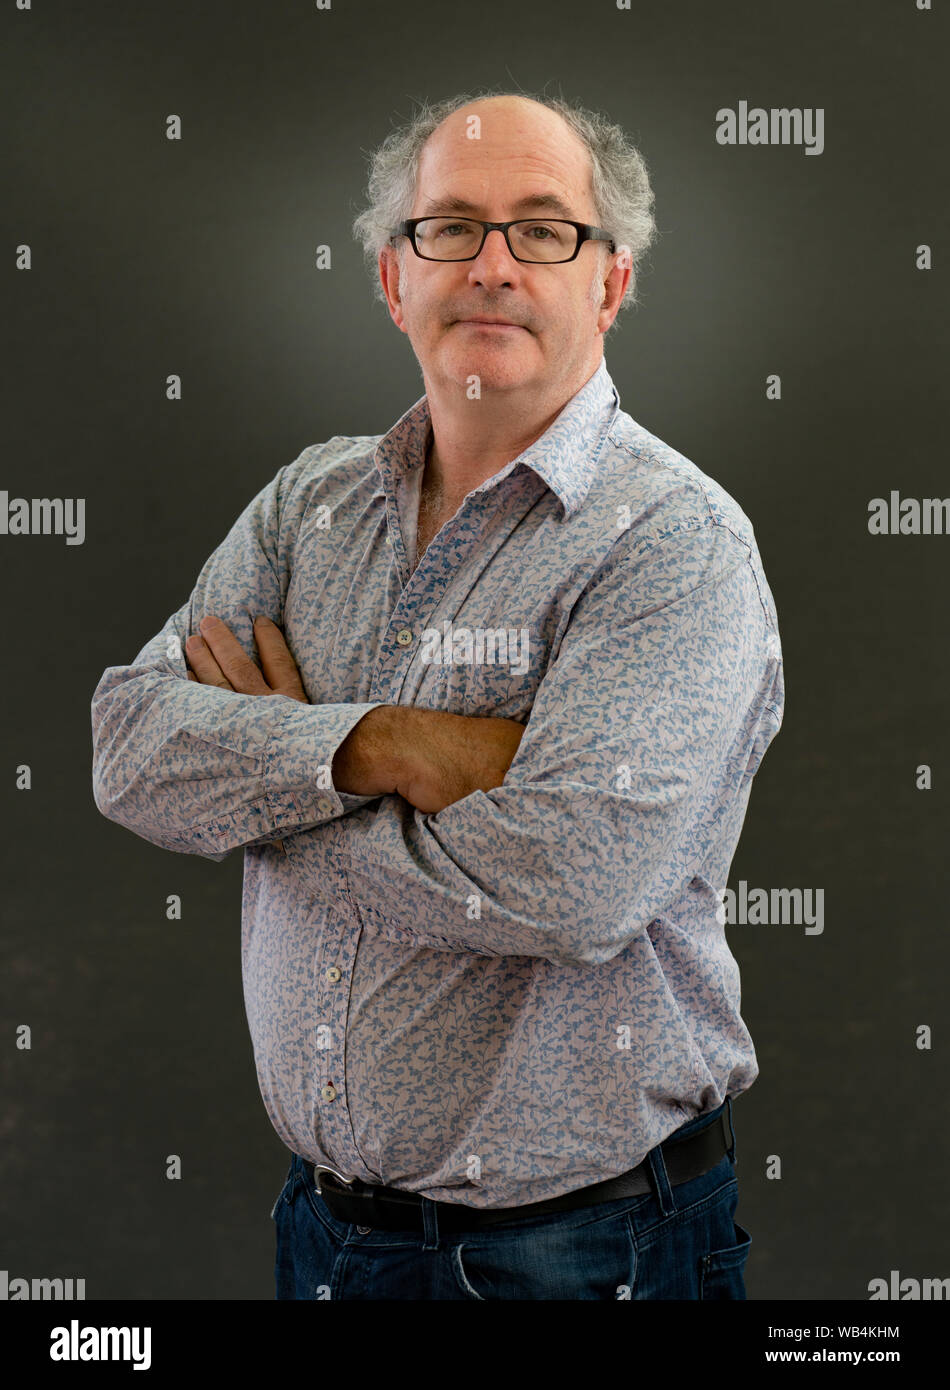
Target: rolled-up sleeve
{"x":643,"y":734}
{"x":201,"y":770}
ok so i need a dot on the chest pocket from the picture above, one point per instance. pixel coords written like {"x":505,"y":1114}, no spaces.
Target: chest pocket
{"x":480,"y":671}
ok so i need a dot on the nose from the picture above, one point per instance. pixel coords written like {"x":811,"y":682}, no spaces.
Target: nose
{"x":494,"y":264}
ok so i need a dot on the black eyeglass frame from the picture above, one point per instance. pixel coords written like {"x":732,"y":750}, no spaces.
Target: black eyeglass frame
{"x":585,"y":232}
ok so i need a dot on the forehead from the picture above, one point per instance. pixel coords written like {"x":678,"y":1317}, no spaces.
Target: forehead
{"x":513,"y":149}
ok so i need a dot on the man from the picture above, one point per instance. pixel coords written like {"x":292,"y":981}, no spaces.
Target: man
{"x":519,"y":663}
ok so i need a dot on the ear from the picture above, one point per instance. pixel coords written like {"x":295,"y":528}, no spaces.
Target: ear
{"x":614,"y":286}
{"x":389,"y":271}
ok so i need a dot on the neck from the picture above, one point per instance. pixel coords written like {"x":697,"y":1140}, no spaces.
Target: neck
{"x":472,"y":440}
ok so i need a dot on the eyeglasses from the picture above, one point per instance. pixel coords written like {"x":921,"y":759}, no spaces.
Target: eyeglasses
{"x":462,"y":238}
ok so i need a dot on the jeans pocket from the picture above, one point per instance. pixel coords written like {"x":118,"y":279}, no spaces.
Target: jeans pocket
{"x":554,"y":1257}
{"x":317,"y":1206}
{"x":721,"y":1270}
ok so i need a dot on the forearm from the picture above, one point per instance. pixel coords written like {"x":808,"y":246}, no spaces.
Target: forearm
{"x":205,"y":771}
{"x":369,"y":760}
{"x":429,"y":757}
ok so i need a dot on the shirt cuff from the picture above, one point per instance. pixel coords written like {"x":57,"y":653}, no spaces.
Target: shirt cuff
{"x":298,"y":780}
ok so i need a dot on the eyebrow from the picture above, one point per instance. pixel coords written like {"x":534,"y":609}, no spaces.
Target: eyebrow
{"x":549,"y":202}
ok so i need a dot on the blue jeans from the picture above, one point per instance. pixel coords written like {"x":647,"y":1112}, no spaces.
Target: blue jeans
{"x":677,"y":1242}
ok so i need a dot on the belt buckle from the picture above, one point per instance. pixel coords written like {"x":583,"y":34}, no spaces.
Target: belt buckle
{"x":319,"y":1168}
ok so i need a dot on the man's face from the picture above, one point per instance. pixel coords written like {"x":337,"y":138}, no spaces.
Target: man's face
{"x":523,"y":150}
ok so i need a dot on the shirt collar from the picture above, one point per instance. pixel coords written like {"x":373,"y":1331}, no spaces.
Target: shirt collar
{"x":565,"y":456}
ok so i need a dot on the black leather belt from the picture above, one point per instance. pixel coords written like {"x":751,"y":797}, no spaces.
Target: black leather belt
{"x":392,"y":1209}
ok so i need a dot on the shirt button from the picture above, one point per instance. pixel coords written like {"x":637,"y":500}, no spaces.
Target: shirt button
{"x":328,"y":1092}
{"x":334,"y":973}
{"x":404,"y":637}
{"x":363,"y":1230}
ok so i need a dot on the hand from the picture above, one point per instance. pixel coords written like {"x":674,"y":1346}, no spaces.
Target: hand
{"x":217,"y":658}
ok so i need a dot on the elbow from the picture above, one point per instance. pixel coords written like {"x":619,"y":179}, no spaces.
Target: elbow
{"x":100,"y":795}
{"x":128,"y":784}
{"x":139,"y":809}
{"x":118,"y":751}
{"x":101,"y":784}
{"x":122,"y":795}
{"x":584,"y":942}
{"x":108,"y":796}
{"x":578,"y":943}
{"x":106,"y":773}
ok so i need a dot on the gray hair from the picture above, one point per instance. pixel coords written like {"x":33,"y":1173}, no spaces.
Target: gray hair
{"x":623,"y":198}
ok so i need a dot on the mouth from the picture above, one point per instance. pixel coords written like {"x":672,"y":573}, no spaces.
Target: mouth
{"x":493,"y":325}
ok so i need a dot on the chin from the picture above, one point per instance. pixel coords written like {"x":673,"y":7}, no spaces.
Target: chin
{"x":496,"y":365}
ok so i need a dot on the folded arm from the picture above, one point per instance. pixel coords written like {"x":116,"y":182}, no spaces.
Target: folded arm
{"x":656,"y":711}
{"x":201,"y":769}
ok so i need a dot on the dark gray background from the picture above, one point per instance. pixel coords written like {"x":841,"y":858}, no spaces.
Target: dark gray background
{"x":195,"y":257}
